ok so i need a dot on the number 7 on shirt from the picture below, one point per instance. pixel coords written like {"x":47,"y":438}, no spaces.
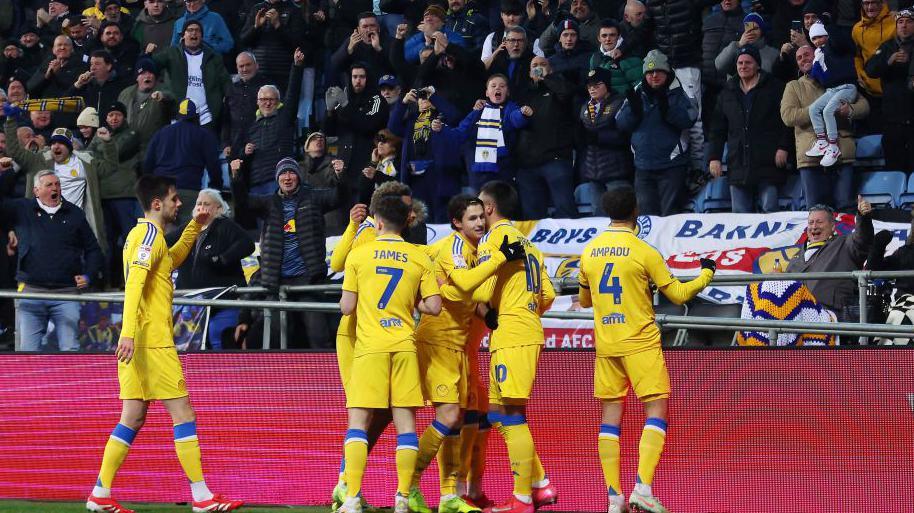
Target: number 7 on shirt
{"x":395,"y":275}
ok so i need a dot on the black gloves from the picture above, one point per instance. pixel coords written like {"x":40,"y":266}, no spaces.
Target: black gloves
{"x":513,"y":251}
{"x":634,"y":101}
{"x":707,"y":263}
{"x":883,"y":239}
{"x":492,"y":319}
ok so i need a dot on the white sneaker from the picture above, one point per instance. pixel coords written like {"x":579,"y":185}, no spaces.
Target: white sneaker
{"x":638,"y":503}
{"x":617,"y":507}
{"x":832,"y":153}
{"x":401,"y":504}
{"x":818,"y":148}
{"x":351,"y":505}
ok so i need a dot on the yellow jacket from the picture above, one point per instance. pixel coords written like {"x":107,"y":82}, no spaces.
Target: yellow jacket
{"x":869,"y":34}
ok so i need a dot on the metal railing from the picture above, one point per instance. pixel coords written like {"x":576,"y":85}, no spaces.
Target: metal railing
{"x":283,"y":304}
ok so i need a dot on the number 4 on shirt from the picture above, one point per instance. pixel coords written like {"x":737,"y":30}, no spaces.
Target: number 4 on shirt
{"x":613,"y":287}
{"x":395,"y":275}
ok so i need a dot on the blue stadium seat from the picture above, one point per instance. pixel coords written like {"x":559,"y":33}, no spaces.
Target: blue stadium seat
{"x":869,"y":151}
{"x":791,"y":196}
{"x":717,"y":198}
{"x":882,"y":188}
{"x":906,"y":200}
{"x":582,"y":195}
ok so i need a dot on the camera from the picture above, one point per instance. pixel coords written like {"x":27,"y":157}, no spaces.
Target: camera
{"x":422,"y":94}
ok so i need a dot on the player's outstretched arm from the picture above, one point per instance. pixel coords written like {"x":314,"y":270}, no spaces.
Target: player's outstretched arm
{"x":679,"y":292}
{"x":185,"y":244}
{"x":357,"y":215}
{"x":547,"y":294}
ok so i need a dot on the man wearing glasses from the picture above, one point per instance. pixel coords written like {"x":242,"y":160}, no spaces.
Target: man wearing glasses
{"x":512,"y":59}
{"x":216,"y":33}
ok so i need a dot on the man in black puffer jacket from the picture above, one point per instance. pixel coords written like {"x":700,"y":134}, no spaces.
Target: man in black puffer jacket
{"x":272,"y":135}
{"x":718,"y":30}
{"x":293,"y":240}
{"x":677,"y":28}
{"x":272,"y":31}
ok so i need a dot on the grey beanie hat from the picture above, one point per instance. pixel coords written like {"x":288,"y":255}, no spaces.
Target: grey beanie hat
{"x":287,"y":164}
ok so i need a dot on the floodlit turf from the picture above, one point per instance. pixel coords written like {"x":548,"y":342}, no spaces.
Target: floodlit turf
{"x":80,"y":507}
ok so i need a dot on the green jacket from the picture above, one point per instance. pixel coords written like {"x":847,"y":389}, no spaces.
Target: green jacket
{"x":119,"y":182}
{"x":148,"y":116}
{"x":216,"y":80}
{"x":101,"y":161}
{"x":626,"y":73}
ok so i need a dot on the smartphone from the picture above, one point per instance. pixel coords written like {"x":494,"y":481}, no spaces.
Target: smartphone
{"x":797,"y":25}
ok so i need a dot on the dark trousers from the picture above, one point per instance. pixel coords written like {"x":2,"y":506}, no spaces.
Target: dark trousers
{"x":898,"y":145}
{"x":660,"y":191}
{"x":553,"y":180}
{"x":307,"y":330}
{"x":120,"y":217}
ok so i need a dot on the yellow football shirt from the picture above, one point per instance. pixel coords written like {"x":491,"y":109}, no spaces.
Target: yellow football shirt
{"x":617,"y":269}
{"x":450,"y":328}
{"x":388,"y":274}
{"x":521,"y":290}
{"x":149,"y":291}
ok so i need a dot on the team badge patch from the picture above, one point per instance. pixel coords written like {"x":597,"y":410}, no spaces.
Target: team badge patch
{"x":143,"y":254}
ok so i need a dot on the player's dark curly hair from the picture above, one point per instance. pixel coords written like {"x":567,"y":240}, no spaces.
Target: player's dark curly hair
{"x":620,"y":203}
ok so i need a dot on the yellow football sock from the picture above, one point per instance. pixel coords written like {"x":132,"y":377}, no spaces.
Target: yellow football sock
{"x":428,"y":447}
{"x":115,"y":453}
{"x":188,"y":448}
{"x":355,"y":451}
{"x":538,"y":473}
{"x":407,"y":456}
{"x":448,"y":464}
{"x":521,"y":451}
{"x":650,"y":449}
{"x":610,"y":456}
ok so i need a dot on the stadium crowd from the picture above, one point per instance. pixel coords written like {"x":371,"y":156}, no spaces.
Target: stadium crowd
{"x":300,"y":109}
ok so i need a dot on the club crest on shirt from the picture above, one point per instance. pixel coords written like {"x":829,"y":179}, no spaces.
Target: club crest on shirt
{"x":289,"y":227}
{"x":143,"y":254}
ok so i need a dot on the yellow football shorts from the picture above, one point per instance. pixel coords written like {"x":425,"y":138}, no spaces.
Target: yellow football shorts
{"x":646,"y":370}
{"x":154,"y":373}
{"x":345,"y":348}
{"x":444,"y":374}
{"x":512,"y":371}
{"x":384,"y":380}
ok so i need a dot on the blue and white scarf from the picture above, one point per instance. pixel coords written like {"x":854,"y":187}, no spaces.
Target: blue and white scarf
{"x":490,"y":140}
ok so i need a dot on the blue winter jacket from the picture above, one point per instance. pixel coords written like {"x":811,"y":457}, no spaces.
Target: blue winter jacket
{"x":657,"y":140}
{"x":181,"y":151}
{"x":402,"y":120}
{"x":216,"y":33}
{"x":53,"y":249}
{"x":464,"y":136}
{"x":416,"y":43}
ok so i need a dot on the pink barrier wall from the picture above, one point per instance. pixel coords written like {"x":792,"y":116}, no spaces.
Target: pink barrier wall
{"x":750,"y":431}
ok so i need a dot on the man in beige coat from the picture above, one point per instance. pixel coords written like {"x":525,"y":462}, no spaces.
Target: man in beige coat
{"x":831,"y":185}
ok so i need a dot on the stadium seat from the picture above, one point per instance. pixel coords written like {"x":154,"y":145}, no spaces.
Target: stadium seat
{"x":717,"y":198}
{"x":882,"y":188}
{"x":582,"y":194}
{"x":869,"y":151}
{"x":791,"y":196}
{"x":906,"y":200}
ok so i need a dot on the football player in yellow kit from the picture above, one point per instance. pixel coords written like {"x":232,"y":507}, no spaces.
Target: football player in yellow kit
{"x":520,"y":292}
{"x":384,"y":282}
{"x":617,"y":270}
{"x":441,"y":343}
{"x":148,"y":367}
{"x":362,"y":229}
